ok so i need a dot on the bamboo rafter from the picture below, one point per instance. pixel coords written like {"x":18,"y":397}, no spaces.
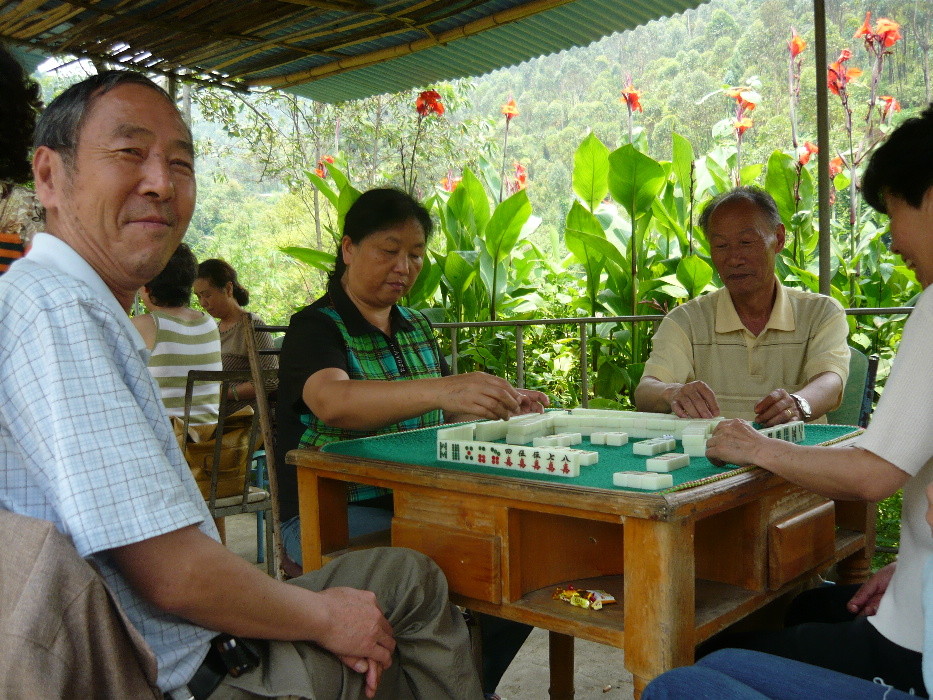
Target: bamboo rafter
{"x":327,"y":30}
{"x":245,"y":44}
{"x":337,"y":50}
{"x":374,"y":57}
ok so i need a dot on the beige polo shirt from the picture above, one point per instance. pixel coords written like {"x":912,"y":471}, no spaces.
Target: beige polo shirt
{"x":704,"y":339}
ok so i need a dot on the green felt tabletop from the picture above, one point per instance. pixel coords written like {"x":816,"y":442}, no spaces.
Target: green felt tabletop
{"x":419,"y":447}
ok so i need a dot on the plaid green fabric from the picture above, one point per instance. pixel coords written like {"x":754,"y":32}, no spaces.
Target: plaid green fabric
{"x":411,"y":354}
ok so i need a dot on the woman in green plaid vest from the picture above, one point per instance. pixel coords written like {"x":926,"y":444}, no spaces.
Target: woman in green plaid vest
{"x":355,"y":363}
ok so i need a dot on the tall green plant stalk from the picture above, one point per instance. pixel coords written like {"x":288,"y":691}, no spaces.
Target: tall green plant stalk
{"x":510,"y":110}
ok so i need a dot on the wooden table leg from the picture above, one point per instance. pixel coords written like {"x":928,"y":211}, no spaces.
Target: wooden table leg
{"x":560,"y":656}
{"x":323,"y":512}
{"x":659,"y":595}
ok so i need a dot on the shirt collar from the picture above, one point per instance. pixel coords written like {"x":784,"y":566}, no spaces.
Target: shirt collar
{"x":52,"y":252}
{"x":355,"y":322}
{"x":781,"y":319}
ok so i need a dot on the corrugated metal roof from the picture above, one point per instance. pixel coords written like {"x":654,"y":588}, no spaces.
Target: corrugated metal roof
{"x":328,"y":50}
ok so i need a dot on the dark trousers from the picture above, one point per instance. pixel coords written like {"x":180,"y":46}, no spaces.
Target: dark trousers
{"x":501,"y":640}
{"x":821,"y":631}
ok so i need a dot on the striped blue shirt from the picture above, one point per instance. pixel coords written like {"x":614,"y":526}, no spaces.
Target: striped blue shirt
{"x":84,"y":438}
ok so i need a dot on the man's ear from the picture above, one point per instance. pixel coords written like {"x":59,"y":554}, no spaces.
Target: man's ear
{"x":48,"y":172}
{"x":780,"y":235}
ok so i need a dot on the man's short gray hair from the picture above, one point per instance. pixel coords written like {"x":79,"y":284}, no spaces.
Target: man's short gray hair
{"x":754,"y":195}
{"x":60,"y":124}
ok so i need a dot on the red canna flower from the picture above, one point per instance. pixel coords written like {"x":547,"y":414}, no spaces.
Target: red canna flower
{"x":889,"y":32}
{"x":429,"y":101}
{"x":885,"y":34}
{"x":521,"y":176}
{"x":746,"y":98}
{"x":631,"y":97}
{"x":742,"y":125}
{"x":805,"y":152}
{"x":865,"y":30}
{"x":836,"y":166}
{"x":891,"y":106}
{"x":519,"y":181}
{"x":796,"y":44}
{"x":509,"y":109}
{"x":838,"y":76}
{"x":321,"y":169}
{"x":450,"y":181}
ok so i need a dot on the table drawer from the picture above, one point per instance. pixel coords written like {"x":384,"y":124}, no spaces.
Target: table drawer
{"x":800,"y":542}
{"x":471,"y":562}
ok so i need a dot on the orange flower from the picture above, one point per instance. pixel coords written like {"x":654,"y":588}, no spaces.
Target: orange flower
{"x":519,"y":181}
{"x":796,"y":44}
{"x":838,"y":76}
{"x":889,"y":32}
{"x":836,"y":166}
{"x":509,"y":109}
{"x":631,"y":97}
{"x":742,"y":125}
{"x":891,"y":105}
{"x":521,"y":177}
{"x":746,"y":98}
{"x":805,"y":151}
{"x":865,"y":30}
{"x":429,"y":101}
{"x":321,"y":169}
{"x":449,"y":182}
{"x":885,"y":34}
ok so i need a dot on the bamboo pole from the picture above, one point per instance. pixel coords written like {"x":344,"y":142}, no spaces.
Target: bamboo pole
{"x":822,"y":138}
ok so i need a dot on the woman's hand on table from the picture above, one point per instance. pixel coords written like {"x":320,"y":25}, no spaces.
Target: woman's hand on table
{"x":734,"y":442}
{"x":486,"y":396}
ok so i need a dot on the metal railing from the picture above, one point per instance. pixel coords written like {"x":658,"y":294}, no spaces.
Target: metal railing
{"x":581,"y":323}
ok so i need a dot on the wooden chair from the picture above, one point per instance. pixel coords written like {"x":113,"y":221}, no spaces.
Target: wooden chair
{"x":247,"y":498}
{"x":858,"y":394}
{"x":257,"y":377}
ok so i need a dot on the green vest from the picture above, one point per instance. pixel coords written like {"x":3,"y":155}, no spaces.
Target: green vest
{"x":411,"y":354}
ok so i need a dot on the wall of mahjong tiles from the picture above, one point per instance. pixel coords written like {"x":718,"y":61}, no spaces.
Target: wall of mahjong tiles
{"x":419,"y":447}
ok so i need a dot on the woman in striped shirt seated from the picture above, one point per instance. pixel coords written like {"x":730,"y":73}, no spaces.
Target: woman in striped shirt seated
{"x":180,"y":338}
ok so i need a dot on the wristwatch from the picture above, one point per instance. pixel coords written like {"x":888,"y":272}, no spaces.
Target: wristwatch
{"x":803,"y":406}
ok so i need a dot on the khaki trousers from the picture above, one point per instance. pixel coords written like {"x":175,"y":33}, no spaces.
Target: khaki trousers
{"x":432,"y":659}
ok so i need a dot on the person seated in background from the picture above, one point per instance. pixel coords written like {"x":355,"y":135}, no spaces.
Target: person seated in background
{"x":876,"y":630}
{"x":85,"y":443}
{"x":220,"y":294}
{"x":355,"y":363}
{"x":754,"y":349}
{"x":19,"y":216}
{"x":180,"y":338}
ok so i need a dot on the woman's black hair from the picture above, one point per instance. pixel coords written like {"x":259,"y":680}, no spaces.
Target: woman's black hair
{"x":218,"y":272}
{"x":19,"y":108}
{"x":172,"y":286}
{"x":903,"y":164}
{"x":378,"y":210}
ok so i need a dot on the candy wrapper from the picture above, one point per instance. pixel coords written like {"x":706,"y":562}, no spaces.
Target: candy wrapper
{"x":583,"y":598}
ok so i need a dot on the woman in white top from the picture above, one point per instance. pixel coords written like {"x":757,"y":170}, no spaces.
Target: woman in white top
{"x":180,"y":338}
{"x":883,"y":635}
